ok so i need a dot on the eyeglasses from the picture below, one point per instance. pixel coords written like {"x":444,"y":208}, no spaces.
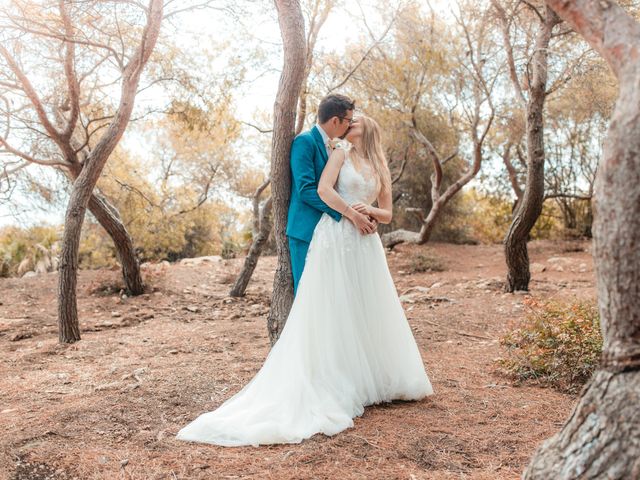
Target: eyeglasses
{"x":351,"y":120}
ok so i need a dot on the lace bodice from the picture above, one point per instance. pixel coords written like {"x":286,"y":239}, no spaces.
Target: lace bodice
{"x":354,"y":186}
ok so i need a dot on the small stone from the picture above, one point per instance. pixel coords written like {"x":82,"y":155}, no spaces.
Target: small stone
{"x":537,"y":268}
{"x":116,"y":314}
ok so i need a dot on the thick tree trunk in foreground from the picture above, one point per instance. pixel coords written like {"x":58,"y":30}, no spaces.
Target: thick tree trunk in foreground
{"x":109,"y":219}
{"x":529,"y":209}
{"x":293,"y":38}
{"x":84,"y":185}
{"x":601,"y":439}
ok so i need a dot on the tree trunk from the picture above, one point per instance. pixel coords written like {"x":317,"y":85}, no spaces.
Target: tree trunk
{"x":439,"y":201}
{"x":317,"y":19}
{"x":69,"y":330}
{"x":260,"y":239}
{"x":481,"y":94}
{"x":292,"y":30}
{"x":529,"y":209}
{"x":109,"y":219}
{"x":601,"y":439}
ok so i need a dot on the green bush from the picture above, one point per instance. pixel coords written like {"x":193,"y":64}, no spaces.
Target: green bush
{"x":559,"y":345}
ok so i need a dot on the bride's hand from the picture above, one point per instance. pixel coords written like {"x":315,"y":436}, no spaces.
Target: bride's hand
{"x":362,"y":208}
{"x":375,"y":223}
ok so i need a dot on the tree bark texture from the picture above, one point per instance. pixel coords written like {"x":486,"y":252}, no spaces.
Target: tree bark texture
{"x":108,"y":217}
{"x":84,"y":185}
{"x":292,"y":29}
{"x":601,"y":439}
{"x":530,"y":206}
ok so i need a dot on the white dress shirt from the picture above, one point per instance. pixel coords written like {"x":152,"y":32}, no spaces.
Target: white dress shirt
{"x":325,"y":139}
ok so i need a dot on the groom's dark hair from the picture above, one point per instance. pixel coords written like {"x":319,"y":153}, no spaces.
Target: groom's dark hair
{"x":334,"y":105}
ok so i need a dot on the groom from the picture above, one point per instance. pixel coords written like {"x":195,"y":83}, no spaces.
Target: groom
{"x":309,"y":154}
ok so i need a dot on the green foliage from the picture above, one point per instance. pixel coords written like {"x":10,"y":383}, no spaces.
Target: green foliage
{"x":174,"y":202}
{"x":558,"y":345}
{"x":488,"y":218}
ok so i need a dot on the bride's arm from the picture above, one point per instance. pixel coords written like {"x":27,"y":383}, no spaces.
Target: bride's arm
{"x":328,"y":194}
{"x":384,"y":212}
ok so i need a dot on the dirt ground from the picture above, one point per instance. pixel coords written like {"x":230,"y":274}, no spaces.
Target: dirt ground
{"x":109,"y":406}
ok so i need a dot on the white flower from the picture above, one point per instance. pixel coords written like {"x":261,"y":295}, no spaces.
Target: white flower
{"x":339,"y":143}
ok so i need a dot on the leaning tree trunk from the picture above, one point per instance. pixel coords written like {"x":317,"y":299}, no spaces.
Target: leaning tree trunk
{"x":260,"y":239}
{"x":529,"y":209}
{"x":69,"y":330}
{"x":601,"y":439}
{"x":109,"y":219}
{"x":292,"y":30}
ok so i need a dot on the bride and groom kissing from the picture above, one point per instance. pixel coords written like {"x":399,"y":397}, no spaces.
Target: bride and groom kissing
{"x":346,"y":343}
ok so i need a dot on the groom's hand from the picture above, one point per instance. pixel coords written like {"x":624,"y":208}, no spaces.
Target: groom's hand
{"x":361,"y":221}
{"x":365,"y":210}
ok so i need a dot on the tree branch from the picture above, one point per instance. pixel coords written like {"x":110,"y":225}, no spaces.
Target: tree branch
{"x":70,"y":73}
{"x":591,"y":19}
{"x":366,"y":54}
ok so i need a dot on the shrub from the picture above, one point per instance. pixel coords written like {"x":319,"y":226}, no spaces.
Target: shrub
{"x":26,"y":249}
{"x":421,"y":263}
{"x":559,"y":345}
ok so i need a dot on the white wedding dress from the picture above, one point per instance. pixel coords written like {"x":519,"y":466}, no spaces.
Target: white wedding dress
{"x":346,"y":343}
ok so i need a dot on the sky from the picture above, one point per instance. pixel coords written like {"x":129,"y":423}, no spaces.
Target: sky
{"x":203,"y":29}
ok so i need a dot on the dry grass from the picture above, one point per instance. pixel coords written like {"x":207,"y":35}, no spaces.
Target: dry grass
{"x":108,"y":407}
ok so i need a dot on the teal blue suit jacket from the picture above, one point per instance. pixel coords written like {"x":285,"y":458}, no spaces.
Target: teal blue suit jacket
{"x":308,"y":159}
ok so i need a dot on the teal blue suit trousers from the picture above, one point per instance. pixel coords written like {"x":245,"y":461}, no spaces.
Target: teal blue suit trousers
{"x":298,"y":252}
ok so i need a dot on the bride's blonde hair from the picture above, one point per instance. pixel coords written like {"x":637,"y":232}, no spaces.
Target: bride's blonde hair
{"x":373,"y":151}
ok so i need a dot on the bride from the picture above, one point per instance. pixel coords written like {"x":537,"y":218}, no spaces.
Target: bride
{"x":346,"y":343}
